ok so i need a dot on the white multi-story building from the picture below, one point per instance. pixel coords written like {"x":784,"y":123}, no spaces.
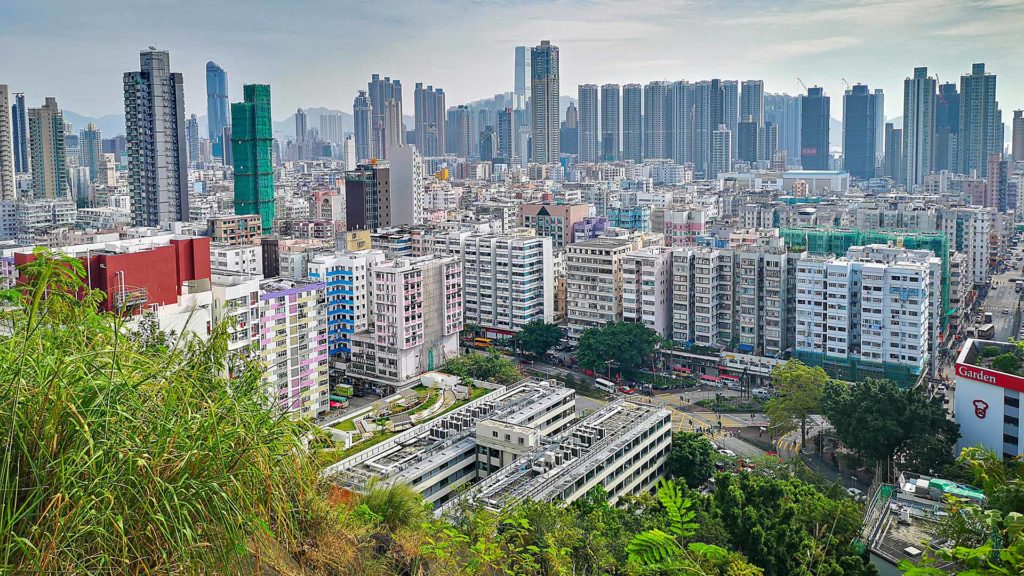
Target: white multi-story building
{"x":970,"y":231}
{"x":702,"y":299}
{"x":647,"y":288}
{"x":293,"y":345}
{"x":346,"y":276}
{"x":416,"y":318}
{"x":243,"y":259}
{"x":508,"y":281}
{"x":877,"y":306}
{"x":236,"y":303}
{"x":594,"y":282}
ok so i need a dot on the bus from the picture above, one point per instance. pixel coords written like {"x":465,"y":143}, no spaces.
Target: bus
{"x":604,"y":385}
{"x":482,"y":343}
{"x":711,"y":381}
{"x":985,"y":331}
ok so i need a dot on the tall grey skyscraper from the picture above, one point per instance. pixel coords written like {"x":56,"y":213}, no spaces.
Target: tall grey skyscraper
{"x":522,"y":81}
{"x":752,"y":101}
{"x":655,"y":120}
{"x":893,"y":166}
{"x":49,"y":165}
{"x":90,"y":142}
{"x":859,"y":119}
{"x":302,"y":145}
{"x":1018,"y":135}
{"x":460,"y":125}
{"x":362,"y":116}
{"x":154,"y":107}
{"x":611,"y":129}
{"x":331,"y":128}
{"x":381,"y":90}
{"x":632,"y":123}
{"x":721,"y":151}
{"x":507,"y":135}
{"x":679,"y":113}
{"x":748,"y":146}
{"x":217,"y":116}
{"x":918,"y":127}
{"x":947,"y":127}
{"x":588,"y":128}
{"x":879,"y":125}
{"x":7,"y":190}
{"x":430,"y":119}
{"x":19,"y":134}
{"x":814,"y":130}
{"x":544,"y":125}
{"x":731,"y":106}
{"x":783,"y":111}
{"x":569,"y":134}
{"x":703,"y":112}
{"x":981,"y":123}
{"x":192,"y":138}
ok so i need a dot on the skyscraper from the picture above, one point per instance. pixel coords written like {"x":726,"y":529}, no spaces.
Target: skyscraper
{"x":252,"y":142}
{"x":947,"y":127}
{"x":859,"y":145}
{"x":301,"y":134}
{"x":679,"y":108}
{"x":19,"y":134}
{"x":588,"y":129}
{"x":49,"y":167}
{"x":632,"y":123}
{"x":611,"y":129}
{"x":381,"y":90}
{"x":430,"y":119}
{"x":918,"y":127}
{"x":461,"y":130}
{"x":1018,"y":135}
{"x":879,"y":126}
{"x":783,"y":111}
{"x":506,"y":135}
{"x":192,"y":138}
{"x":981,"y":123}
{"x":814,"y":126}
{"x":362,"y":117}
{"x":752,"y":101}
{"x":216,"y":106}
{"x":331,"y":128}
{"x":7,"y":190}
{"x":893,"y":165}
{"x":569,"y":134}
{"x":544,"y":126}
{"x":703,"y":106}
{"x":721,"y":151}
{"x":522,"y":81}
{"x":731,"y":105}
{"x":747,"y":141}
{"x":348,"y":153}
{"x":394,"y":128}
{"x":90,"y":142}
{"x":154,"y":107}
{"x":655,"y":120}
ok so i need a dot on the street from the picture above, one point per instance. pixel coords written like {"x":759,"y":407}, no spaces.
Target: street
{"x":1002,"y":296}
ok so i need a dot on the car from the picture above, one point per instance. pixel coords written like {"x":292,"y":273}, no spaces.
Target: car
{"x":1006,"y":310}
{"x":727,"y":452}
{"x":856,"y":494}
{"x":627,"y":390}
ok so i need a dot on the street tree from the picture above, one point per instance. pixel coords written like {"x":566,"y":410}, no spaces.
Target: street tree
{"x":537,"y":337}
{"x":626,"y":345}
{"x":799,"y":389}
{"x":692,"y":458}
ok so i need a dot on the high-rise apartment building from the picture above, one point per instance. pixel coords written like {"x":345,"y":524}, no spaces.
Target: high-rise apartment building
{"x":331,"y":129}
{"x":748,"y":147}
{"x":252,"y":141}
{"x":655,"y":120}
{"x":416,"y":316}
{"x":730,"y":104}
{"x":544,"y":93}
{"x":430,"y":120}
{"x":506,"y":136}
{"x":1018,"y":135}
{"x":947,"y":127}
{"x":859,"y":132}
{"x":8,"y":192}
{"x":981,"y":122}
{"x":679,"y":107}
{"x":362,"y":116}
{"x":784,"y":111}
{"x":522,"y":80}
{"x":647,"y":288}
{"x":594,"y":282}
{"x":611,"y":122}
{"x":90,"y":143}
{"x":347,"y":280}
{"x":632,"y":123}
{"x":721,"y":151}
{"x":752,"y":101}
{"x":368,"y":196}
{"x":590,"y":150}
{"x":893,"y":165}
{"x":49,"y":167}
{"x":386,"y":106}
{"x":154,"y":105}
{"x":192,"y":139}
{"x":19,"y":134}
{"x":569,"y":134}
{"x":814,"y":130}
{"x":217,"y":107}
{"x":302,"y":143}
{"x":460,"y":127}
{"x":918,"y":127}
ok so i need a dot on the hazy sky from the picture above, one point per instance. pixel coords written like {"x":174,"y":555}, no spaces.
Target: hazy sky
{"x":319,"y":52}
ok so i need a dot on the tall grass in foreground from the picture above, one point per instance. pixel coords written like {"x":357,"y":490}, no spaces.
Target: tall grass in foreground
{"x":124,"y":457}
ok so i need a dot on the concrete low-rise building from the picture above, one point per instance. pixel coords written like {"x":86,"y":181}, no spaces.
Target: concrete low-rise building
{"x":986,"y":401}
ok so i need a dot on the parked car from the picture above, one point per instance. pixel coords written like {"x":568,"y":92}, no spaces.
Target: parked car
{"x":727,"y":452}
{"x":856,"y":494}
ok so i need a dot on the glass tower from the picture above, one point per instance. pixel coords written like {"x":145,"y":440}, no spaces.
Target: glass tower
{"x":216,"y":106}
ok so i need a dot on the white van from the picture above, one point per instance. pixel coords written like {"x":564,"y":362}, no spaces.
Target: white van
{"x":761,"y":393}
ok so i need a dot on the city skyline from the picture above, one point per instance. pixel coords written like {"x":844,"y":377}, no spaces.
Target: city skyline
{"x":309,"y":67}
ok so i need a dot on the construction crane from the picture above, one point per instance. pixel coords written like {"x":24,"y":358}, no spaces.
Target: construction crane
{"x":801,"y":83}
{"x":848,"y":87}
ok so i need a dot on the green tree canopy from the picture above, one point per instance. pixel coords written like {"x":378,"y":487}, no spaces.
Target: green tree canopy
{"x":537,"y":337}
{"x":881,"y":420}
{"x":799,"y":389}
{"x":629,"y":346}
{"x":692,"y":458}
{"x":489,"y":367}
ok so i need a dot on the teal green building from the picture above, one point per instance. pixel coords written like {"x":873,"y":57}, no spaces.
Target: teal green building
{"x":252,"y":144}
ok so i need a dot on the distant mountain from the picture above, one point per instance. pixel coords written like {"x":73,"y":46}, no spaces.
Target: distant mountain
{"x":110,"y":125}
